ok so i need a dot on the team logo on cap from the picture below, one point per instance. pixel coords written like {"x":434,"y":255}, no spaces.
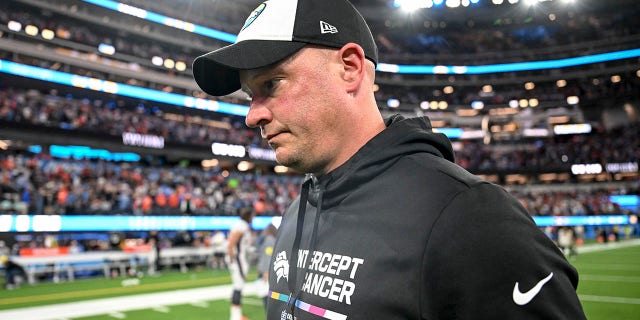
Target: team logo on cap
{"x":252,"y":17}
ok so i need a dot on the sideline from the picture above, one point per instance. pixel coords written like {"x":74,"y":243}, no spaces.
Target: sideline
{"x":609,"y":299}
{"x":123,"y":304}
{"x":608,"y":246}
{"x":148,"y":287}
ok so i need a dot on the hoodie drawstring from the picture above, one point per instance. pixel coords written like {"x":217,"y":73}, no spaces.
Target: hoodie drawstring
{"x":294,"y":291}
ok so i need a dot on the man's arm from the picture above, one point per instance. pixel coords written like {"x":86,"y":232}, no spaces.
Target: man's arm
{"x":486,"y":259}
{"x":234,"y":239}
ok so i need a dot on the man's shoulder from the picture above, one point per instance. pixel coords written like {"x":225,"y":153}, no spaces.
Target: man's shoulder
{"x":432,"y":166}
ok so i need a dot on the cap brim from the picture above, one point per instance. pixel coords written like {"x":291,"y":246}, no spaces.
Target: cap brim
{"x":217,"y":72}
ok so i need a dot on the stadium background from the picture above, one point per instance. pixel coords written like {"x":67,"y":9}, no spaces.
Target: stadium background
{"x":104,"y":136}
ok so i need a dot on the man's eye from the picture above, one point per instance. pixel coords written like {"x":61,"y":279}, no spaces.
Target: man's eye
{"x":270,"y":85}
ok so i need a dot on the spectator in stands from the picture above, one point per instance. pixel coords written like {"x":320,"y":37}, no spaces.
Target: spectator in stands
{"x":75,"y":247}
{"x":382,"y":196}
{"x":240,"y":242}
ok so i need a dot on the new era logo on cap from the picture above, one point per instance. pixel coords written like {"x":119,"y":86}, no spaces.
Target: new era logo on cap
{"x":327,"y":28}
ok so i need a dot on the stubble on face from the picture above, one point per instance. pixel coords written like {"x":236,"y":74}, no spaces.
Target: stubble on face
{"x":302,"y":114}
{"x":314,"y":118}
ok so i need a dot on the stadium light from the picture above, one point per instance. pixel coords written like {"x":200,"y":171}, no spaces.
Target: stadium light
{"x":106,"y":49}
{"x":452,"y":3}
{"x":529,"y":86}
{"x":280,"y":169}
{"x":477,"y":105}
{"x":244,"y":166}
{"x":572,"y":100}
{"x":393,"y":103}
{"x":31,"y":30}
{"x":448,"y":90}
{"x":412,"y":5}
{"x":181,"y":66}
{"x":169,"y":63}
{"x":14,"y":26}
{"x":157,"y":61}
{"x":48,"y":34}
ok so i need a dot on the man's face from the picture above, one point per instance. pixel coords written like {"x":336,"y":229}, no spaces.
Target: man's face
{"x":294,"y":103}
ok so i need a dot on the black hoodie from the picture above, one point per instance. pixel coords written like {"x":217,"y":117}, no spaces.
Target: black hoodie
{"x":401,"y":232}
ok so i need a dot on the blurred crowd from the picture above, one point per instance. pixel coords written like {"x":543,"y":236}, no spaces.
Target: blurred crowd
{"x":35,"y":108}
{"x":43,"y":185}
{"x":115,"y":118}
{"x":590,"y":90}
{"x":571,"y":203}
{"x":620,"y":145}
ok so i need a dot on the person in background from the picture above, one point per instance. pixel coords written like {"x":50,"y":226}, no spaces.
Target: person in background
{"x":369,"y":236}
{"x":13,"y":273}
{"x":75,"y":247}
{"x":239,"y":242}
{"x":567,"y":241}
{"x":153,"y":240}
{"x":219,"y":244}
{"x":264,"y":258}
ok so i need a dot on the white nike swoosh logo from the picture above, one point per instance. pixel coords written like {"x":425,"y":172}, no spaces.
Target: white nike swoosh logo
{"x":521,"y":298}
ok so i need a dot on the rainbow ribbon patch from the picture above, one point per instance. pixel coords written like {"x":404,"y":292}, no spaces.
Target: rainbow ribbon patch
{"x":321,"y":312}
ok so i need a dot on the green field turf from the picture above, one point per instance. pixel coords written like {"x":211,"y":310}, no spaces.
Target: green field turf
{"x":95,"y":288}
{"x":213,"y":310}
{"x":609,"y":289}
{"x":610,"y":283}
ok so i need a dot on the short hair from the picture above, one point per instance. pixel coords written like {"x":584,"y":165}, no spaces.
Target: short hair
{"x":246,"y":214}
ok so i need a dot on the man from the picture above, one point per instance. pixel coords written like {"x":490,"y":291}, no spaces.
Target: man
{"x":153,"y":240}
{"x":265,"y":252}
{"x":240,"y":240}
{"x":386,"y":226}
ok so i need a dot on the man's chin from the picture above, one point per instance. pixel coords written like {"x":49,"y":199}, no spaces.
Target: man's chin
{"x":288,"y":160}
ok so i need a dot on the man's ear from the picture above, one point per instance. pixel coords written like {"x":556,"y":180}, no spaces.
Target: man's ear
{"x":353,"y":62}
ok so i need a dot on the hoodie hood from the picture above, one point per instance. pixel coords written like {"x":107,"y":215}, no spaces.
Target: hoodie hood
{"x":403,"y":136}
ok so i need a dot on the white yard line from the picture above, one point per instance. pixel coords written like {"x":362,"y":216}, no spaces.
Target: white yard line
{"x":609,"y":299}
{"x":608,"y":246}
{"x":622,"y":279}
{"x":115,"y":306}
